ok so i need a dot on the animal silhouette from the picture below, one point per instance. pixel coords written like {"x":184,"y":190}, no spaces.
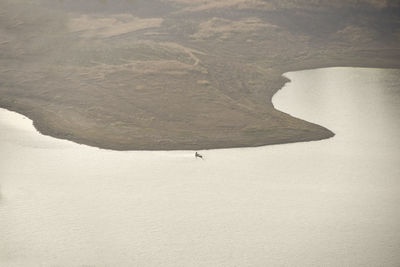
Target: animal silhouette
{"x":198,"y":155}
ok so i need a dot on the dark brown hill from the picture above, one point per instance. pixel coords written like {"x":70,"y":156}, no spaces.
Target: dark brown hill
{"x":180,"y":74}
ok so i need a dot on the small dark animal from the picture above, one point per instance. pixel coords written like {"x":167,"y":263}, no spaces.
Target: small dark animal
{"x":197,"y":155}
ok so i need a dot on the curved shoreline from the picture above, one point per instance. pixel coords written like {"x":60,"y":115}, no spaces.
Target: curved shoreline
{"x":190,"y":80}
{"x":78,"y":141}
{"x":314,"y":132}
{"x":43,"y":129}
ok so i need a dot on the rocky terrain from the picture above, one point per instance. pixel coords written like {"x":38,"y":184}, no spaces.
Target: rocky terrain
{"x":180,"y":74}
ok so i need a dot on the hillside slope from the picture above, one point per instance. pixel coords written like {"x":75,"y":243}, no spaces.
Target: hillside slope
{"x":180,"y":74}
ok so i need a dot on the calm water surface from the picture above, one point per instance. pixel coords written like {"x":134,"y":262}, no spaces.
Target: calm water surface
{"x":328,"y":203}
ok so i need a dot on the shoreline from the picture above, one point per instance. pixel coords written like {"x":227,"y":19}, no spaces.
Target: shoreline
{"x":43,"y":129}
{"x":189,"y":80}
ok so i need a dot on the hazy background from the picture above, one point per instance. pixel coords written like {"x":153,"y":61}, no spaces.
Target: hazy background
{"x":182,"y":74}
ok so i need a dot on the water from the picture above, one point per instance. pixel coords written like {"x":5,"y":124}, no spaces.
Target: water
{"x":327,"y":203}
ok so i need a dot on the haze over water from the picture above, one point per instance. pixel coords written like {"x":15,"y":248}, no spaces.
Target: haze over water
{"x":327,"y":203}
